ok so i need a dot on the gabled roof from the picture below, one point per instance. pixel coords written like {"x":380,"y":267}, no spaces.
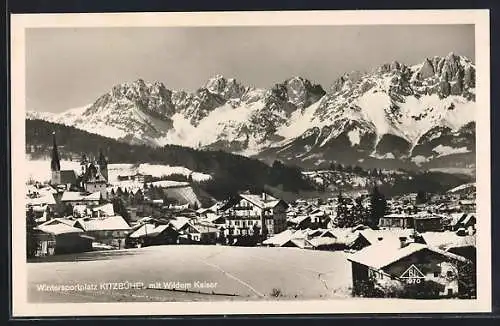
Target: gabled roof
{"x":385,"y":253}
{"x":375,"y":236}
{"x":56,"y":228}
{"x":204,"y":227}
{"x":46,"y":199}
{"x":106,"y":209}
{"x":298,"y":219}
{"x":179,"y":222}
{"x":79,"y":196}
{"x":447,"y":239}
{"x":280,"y":238}
{"x":270,"y":201}
{"x":112,"y":223}
{"x":322,"y":241}
{"x":144,"y":230}
{"x":59,"y":220}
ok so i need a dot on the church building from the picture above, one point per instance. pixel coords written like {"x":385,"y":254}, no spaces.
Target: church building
{"x":65,"y":178}
{"x":93,"y":177}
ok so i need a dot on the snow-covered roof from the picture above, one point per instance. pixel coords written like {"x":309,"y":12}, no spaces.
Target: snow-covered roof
{"x":322,"y":241}
{"x":46,"y":199}
{"x":179,"y":222}
{"x":79,"y":196}
{"x":257,"y":200}
{"x":205,"y":227}
{"x":144,"y":230}
{"x":397,"y":216}
{"x":106,"y":209}
{"x":58,"y":228}
{"x":111,"y":223}
{"x":213,"y":218}
{"x":392,"y":235}
{"x":448,"y":239}
{"x":169,"y":184}
{"x":59,"y":220}
{"x":299,"y":219}
{"x":385,"y":253}
{"x":280,"y":238}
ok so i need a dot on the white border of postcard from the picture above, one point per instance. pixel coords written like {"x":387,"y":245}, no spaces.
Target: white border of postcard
{"x":480,"y":18}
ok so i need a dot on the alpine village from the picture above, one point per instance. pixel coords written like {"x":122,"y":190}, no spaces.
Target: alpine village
{"x":416,"y":245}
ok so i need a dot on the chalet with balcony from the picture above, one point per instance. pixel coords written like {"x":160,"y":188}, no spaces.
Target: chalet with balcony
{"x":251,"y":213}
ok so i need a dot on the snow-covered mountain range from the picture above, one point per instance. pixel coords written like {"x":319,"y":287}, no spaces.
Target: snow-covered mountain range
{"x":416,"y":114}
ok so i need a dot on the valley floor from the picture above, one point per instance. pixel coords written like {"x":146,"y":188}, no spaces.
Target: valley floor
{"x":228,"y":273}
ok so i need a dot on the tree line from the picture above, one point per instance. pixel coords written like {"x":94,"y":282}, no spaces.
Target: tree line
{"x":231,"y":173}
{"x":351,"y":214}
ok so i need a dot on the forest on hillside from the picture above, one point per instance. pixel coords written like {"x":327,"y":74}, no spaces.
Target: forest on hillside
{"x":231,"y":173}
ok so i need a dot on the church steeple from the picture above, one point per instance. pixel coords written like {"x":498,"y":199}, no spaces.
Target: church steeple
{"x":55,"y":164}
{"x":103,"y":164}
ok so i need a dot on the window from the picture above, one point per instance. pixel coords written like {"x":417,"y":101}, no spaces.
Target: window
{"x":436,"y":274}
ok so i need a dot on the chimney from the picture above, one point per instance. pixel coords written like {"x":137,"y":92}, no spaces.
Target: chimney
{"x":402,"y":242}
{"x":264,"y":196}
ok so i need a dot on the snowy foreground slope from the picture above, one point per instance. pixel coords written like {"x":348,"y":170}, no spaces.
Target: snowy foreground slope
{"x":237,"y":271}
{"x":39,"y":170}
{"x":417,"y":113}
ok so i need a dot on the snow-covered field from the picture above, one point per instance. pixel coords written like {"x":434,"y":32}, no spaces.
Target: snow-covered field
{"x":249,"y":273}
{"x":39,"y":170}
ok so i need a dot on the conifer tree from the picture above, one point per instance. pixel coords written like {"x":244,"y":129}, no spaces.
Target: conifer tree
{"x":378,"y":207}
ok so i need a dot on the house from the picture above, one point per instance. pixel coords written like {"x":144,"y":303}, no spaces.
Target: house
{"x":367,"y":237}
{"x":180,"y":223}
{"x":58,"y":236}
{"x":406,"y":270}
{"x":111,"y":230}
{"x":138,"y":177}
{"x":428,"y":222}
{"x":103,"y":210}
{"x":287,"y":238}
{"x":465,"y":221}
{"x":467,"y":205}
{"x":150,"y":234}
{"x":452,"y":242}
{"x":93,"y":180}
{"x":249,"y":212}
{"x":314,"y":219}
{"x":80,"y":198}
{"x":198,"y":232}
{"x":403,"y":221}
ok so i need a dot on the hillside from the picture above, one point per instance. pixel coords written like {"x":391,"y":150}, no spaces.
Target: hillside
{"x":230,"y":173}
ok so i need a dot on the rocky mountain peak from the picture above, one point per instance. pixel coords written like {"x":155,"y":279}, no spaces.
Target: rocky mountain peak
{"x":346,"y":80}
{"x":298,"y":91}
{"x":228,"y":88}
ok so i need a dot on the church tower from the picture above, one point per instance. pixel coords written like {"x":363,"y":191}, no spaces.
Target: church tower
{"x":103,"y":165}
{"x":55,"y":163}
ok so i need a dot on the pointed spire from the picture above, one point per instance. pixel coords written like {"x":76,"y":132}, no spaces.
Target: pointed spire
{"x":55,"y":163}
{"x":102,"y":158}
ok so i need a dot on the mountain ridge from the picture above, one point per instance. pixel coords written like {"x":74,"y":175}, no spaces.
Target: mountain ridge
{"x":382,"y":114}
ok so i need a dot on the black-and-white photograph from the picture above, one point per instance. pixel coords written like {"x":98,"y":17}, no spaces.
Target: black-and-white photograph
{"x":252,"y":163}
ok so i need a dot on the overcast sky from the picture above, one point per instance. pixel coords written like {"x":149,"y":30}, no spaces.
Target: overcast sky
{"x":68,"y":68}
